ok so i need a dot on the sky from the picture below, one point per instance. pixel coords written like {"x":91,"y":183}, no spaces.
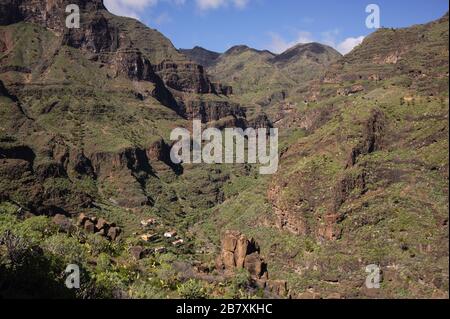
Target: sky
{"x":274,"y":25}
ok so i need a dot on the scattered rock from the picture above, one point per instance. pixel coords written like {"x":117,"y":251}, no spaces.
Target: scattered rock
{"x":82,"y":218}
{"x":170,"y":234}
{"x":113,"y":233}
{"x":148,"y":222}
{"x":137,"y":252}
{"x":89,"y":226}
{"x":101,"y":224}
{"x":149,"y":237}
{"x":64,"y":224}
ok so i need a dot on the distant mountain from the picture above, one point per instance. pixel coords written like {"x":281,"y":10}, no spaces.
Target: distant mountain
{"x":263,"y":77}
{"x":86,"y":175}
{"x":305,"y":61}
{"x":201,"y":56}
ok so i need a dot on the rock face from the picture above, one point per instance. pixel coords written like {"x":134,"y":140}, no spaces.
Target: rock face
{"x":47,"y":12}
{"x":113,"y":62}
{"x":137,"y":252}
{"x":213,"y":111}
{"x":240,"y":252}
{"x":105,"y":38}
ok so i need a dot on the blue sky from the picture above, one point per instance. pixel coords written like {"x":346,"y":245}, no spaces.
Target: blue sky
{"x":272,"y":24}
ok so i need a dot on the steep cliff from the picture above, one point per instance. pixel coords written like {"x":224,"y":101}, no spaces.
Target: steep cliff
{"x":92,"y":103}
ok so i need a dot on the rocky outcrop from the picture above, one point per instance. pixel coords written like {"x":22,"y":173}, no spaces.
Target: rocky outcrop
{"x":99,"y":226}
{"x":221,"y":89}
{"x":351,"y":90}
{"x":34,"y":182}
{"x":208,"y":111}
{"x":372,"y":136}
{"x":97,"y":35}
{"x":260,"y":121}
{"x":130,"y":159}
{"x":240,"y":252}
{"x":286,"y":217}
{"x":103,"y":38}
{"x":48,"y":13}
{"x":184,"y":76}
{"x":3,"y":90}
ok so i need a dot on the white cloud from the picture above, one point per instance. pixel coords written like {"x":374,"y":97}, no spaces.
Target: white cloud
{"x":162,"y":18}
{"x":278,"y":44}
{"x":349,"y":44}
{"x":128,"y":8}
{"x":241,"y":3}
{"x":134,"y":8}
{"x":205,"y":5}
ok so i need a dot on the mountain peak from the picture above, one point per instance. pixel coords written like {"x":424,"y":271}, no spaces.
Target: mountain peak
{"x":312,"y":50}
{"x":201,"y":55}
{"x":237,"y":49}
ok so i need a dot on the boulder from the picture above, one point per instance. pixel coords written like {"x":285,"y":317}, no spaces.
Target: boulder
{"x":102,"y":224}
{"x":137,"y":252}
{"x":113,"y":233}
{"x":82,"y":218}
{"x":89,"y":226}
{"x":64,"y":223}
{"x":255,"y":265}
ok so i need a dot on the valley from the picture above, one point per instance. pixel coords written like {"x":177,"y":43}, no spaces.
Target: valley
{"x":86,"y":175}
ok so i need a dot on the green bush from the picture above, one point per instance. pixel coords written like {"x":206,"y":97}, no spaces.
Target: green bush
{"x":67,"y":248}
{"x":241,"y":279}
{"x":97,"y":244}
{"x":192,"y":289}
{"x":146,"y":290}
{"x":103,"y":262}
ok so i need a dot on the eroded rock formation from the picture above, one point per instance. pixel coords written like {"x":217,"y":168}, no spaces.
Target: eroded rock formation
{"x":240,"y":252}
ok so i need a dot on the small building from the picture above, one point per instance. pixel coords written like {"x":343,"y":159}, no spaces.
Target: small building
{"x":149,"y":237}
{"x":178,"y":242}
{"x":170,"y":234}
{"x":148,"y":222}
